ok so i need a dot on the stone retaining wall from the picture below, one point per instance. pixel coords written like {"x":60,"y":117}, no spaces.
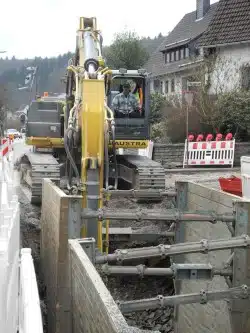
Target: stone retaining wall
{"x":171,"y":155}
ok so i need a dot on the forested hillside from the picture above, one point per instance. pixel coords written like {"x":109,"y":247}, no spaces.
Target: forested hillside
{"x":13,"y":72}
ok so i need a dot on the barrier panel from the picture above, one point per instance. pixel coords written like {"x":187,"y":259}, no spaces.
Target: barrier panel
{"x":9,"y":247}
{"x":205,"y":153}
{"x":30,"y":317}
{"x":12,"y":276}
{"x":6,"y":147}
{"x":245,"y":176}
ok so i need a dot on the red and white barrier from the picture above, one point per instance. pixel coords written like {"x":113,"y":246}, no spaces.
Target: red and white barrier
{"x":209,"y":153}
{"x":5,"y":147}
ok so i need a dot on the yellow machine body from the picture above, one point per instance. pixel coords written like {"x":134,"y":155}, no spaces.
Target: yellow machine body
{"x":58,"y":143}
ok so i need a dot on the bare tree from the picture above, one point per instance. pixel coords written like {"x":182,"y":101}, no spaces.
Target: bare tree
{"x":216,"y":75}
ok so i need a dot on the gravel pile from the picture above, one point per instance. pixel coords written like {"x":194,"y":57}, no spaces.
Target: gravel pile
{"x":132,"y":288}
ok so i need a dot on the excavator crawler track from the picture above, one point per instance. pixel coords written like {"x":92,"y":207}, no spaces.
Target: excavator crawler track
{"x":34,"y":167}
{"x":148,"y":174}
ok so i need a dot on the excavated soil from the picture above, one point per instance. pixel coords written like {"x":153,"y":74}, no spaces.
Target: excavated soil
{"x":124,"y":288}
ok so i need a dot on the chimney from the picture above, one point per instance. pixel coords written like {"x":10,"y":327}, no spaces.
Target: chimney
{"x":202,"y":7}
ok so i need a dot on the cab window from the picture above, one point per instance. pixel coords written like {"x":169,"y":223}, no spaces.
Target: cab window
{"x":127,"y":107}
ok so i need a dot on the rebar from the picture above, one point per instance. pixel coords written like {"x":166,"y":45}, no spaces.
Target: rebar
{"x":162,"y":251}
{"x":202,"y":297}
{"x":156,"y":215}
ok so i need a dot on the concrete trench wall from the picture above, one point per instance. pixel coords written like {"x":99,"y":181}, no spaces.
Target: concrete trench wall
{"x":93,"y":308}
{"x":215,"y":316}
{"x":54,"y":255}
{"x":74,"y":286}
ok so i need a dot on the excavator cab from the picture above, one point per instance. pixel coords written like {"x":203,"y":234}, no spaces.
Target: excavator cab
{"x":131,"y":124}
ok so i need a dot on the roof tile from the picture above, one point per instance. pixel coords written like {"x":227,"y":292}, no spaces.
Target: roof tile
{"x":230,"y":24}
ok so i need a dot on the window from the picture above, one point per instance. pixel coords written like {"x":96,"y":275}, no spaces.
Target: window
{"x":172,"y":56}
{"x":172,"y":85}
{"x":196,"y":51}
{"x":211,"y":51}
{"x":182,"y":54}
{"x":177,"y":55}
{"x":245,"y":77}
{"x":162,"y":92}
{"x":156,"y":85}
{"x":166,"y":87}
{"x":167,"y":58}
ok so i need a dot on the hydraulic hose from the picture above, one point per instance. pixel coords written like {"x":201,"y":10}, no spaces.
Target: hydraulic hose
{"x":70,"y":174}
{"x":72,"y":162}
{"x":114,"y":152}
{"x":106,"y":156}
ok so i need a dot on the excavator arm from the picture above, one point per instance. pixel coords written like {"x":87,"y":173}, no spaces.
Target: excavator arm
{"x":88,"y":122}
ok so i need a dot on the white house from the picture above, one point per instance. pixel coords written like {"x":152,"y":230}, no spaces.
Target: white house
{"x":228,"y":34}
{"x":222,"y":29}
{"x":172,"y":64}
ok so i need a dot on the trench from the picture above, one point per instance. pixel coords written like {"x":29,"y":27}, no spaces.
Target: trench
{"x":121,"y":287}
{"x":126,"y":288}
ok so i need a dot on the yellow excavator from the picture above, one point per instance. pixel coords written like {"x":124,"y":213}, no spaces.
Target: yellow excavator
{"x":82,"y":141}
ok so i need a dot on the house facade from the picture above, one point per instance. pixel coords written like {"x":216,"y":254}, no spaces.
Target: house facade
{"x":173,"y":64}
{"x":228,"y":36}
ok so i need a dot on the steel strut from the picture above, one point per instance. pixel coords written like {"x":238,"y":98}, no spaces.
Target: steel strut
{"x":170,"y":272}
{"x":203,"y":297}
{"x":156,"y":215}
{"x":162,"y":251}
{"x":155,"y":194}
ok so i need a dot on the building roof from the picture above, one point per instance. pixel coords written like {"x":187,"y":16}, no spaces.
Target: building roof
{"x":187,"y":29}
{"x":230,"y":24}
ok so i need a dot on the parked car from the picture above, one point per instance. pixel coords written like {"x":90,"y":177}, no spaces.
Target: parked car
{"x":14,"y":133}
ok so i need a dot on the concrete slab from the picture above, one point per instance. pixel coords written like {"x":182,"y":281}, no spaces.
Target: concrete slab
{"x":213,"y":317}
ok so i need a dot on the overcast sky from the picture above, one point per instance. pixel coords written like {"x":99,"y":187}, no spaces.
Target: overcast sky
{"x":30,"y":28}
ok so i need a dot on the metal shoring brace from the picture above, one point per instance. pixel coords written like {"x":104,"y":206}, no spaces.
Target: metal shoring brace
{"x":202,"y":297}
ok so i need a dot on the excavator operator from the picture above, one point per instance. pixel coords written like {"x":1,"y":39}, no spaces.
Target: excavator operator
{"x":126,"y":104}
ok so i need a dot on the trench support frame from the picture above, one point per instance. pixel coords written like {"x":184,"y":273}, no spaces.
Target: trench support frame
{"x":235,"y":269}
